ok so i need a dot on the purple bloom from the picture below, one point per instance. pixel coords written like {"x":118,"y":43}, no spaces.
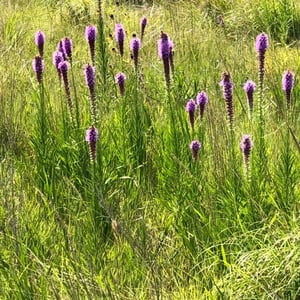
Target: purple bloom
{"x":143,"y":26}
{"x":40,"y":41}
{"x":120,"y":37}
{"x":262,"y":43}
{"x":227,"y":85}
{"x":202,"y":100}
{"x":165,"y":46}
{"x":120,"y":80}
{"x":249,"y":88}
{"x":246,"y":147}
{"x":135,"y":45}
{"x":61,"y":49}
{"x":90,"y":36}
{"x":63,"y":68}
{"x":191,"y":108}
{"x":89,"y":74}
{"x":68,"y":47}
{"x":91,"y":137}
{"x":195,"y":147}
{"x":56,"y":59}
{"x":287,"y":85}
{"x":38,"y":67}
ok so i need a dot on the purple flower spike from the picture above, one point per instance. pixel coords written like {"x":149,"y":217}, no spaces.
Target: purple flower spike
{"x":89,"y":74}
{"x":143,"y":26}
{"x":202,"y":100}
{"x":91,"y":137}
{"x":135,"y":45}
{"x":120,"y":80}
{"x":191,"y":108}
{"x":195,"y":147}
{"x":38,"y":67}
{"x":246,"y":147}
{"x":63,"y":68}
{"x":68,"y":47}
{"x":249,"y":88}
{"x":165,"y":47}
{"x":56,"y":59}
{"x":90,"y":36}
{"x":287,"y":85}
{"x":40,"y":41}
{"x":61,"y":49}
{"x":227,"y":85}
{"x":262,"y":44}
{"x":120,"y":37}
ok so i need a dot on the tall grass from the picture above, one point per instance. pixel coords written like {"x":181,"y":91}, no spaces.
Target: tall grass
{"x":143,"y":218}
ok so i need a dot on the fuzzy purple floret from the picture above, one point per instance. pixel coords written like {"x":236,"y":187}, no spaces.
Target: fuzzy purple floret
{"x":164,"y":46}
{"x":89,"y":75}
{"x":91,"y":135}
{"x":190,"y":106}
{"x":288,"y":81}
{"x":202,"y":100}
{"x":246,"y":146}
{"x":68,"y":47}
{"x":120,"y":37}
{"x":249,"y":88}
{"x":262,"y":43}
{"x":120,"y":80}
{"x":195,"y":147}
{"x":38,"y":67}
{"x":40,"y":41}
{"x":90,"y":33}
{"x":63,"y":67}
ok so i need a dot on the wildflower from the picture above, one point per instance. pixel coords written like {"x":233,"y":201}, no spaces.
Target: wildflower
{"x":195,"y":147}
{"x":120,"y":37}
{"x":90,"y":36}
{"x":40,"y":41}
{"x":246,"y":147}
{"x":165,"y":46}
{"x":191,"y":108}
{"x":249,"y":88}
{"x":135,"y":45}
{"x":262,"y":44}
{"x":89,"y":74}
{"x":68,"y":47}
{"x":91,"y":137}
{"x":63,"y":68}
{"x":61,"y":49}
{"x":287,"y":85}
{"x":56,"y":59}
{"x":38,"y":67}
{"x":120,"y":80}
{"x":143,"y":26}
{"x":227,"y":85}
{"x":202,"y":100}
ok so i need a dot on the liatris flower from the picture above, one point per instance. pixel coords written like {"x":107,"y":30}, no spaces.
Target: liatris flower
{"x":91,"y":137}
{"x":135,"y":45}
{"x":202,"y":100}
{"x":68,"y":47}
{"x":61,"y":49}
{"x":40,"y":41}
{"x":56,"y":59}
{"x":38,"y":67}
{"x":164,"y":46}
{"x":262,"y":44}
{"x":171,"y":56}
{"x":227,"y":85}
{"x":120,"y":37}
{"x":249,"y":88}
{"x":89,"y":74}
{"x":191,"y":108}
{"x":195,"y":147}
{"x":287,"y":85}
{"x":143,"y":26}
{"x":246,"y":147}
{"x":64,"y":67}
{"x":90,"y":36}
{"x":120,"y":80}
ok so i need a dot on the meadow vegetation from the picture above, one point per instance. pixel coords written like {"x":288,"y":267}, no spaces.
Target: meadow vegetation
{"x":146,"y":218}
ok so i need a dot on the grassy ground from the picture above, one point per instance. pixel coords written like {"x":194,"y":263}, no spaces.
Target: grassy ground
{"x":146,"y":220}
